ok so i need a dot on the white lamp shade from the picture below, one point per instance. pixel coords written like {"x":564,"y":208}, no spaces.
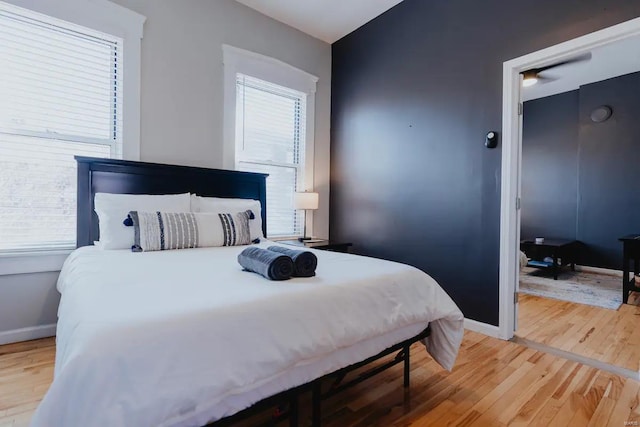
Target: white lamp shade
{"x":305,"y":200}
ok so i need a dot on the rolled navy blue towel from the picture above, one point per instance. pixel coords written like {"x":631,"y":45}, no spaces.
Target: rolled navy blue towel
{"x":304,"y":262}
{"x":269,"y":264}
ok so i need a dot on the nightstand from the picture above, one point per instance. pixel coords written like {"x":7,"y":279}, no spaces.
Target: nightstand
{"x":325,"y":245}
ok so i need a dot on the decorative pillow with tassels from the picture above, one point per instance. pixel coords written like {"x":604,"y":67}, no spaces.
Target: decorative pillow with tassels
{"x":160,"y":231}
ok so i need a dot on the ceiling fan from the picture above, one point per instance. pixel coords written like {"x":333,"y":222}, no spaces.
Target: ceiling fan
{"x":532,"y":76}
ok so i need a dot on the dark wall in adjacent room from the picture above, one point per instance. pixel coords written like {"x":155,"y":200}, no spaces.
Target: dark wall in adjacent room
{"x":609,"y":172}
{"x":578,"y":178}
{"x":550,"y":167}
{"x":413,"y":94}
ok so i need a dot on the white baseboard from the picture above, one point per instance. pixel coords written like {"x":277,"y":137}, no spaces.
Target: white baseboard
{"x":26,"y":334}
{"x":599,"y":270}
{"x":483,"y":328}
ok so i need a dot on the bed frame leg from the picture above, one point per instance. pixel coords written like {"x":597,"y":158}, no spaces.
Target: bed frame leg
{"x":407,"y":365}
{"x":316,"y":404}
{"x":293,"y":411}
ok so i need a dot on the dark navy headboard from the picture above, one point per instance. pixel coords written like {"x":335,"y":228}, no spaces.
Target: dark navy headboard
{"x":127,"y":177}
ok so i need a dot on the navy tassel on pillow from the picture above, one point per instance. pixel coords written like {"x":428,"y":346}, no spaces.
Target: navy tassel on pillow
{"x":128,"y":221}
{"x":252,"y":216}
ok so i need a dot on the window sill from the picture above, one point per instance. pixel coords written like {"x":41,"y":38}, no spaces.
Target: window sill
{"x":32,"y":262}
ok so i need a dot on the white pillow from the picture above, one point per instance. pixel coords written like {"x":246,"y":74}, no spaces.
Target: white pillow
{"x":112,"y":209}
{"x":224,"y":205}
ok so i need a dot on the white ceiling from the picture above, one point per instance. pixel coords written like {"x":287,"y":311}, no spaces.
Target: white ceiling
{"x":612,"y":60}
{"x":327,"y":20}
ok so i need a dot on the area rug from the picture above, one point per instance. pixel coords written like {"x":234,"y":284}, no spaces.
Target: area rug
{"x":599,"y":290}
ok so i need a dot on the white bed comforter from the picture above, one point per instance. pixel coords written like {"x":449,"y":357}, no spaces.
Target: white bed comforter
{"x":180,"y":338}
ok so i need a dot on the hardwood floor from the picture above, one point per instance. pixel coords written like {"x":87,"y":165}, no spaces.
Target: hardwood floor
{"x":609,"y":336}
{"x":26,"y":370}
{"x":494,"y":383}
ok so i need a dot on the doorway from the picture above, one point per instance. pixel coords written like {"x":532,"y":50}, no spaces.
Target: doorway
{"x":512,"y":154}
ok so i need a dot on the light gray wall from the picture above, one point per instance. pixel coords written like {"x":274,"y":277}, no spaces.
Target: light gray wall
{"x":182,"y":109}
{"x":182,"y":80}
{"x":28,"y":300}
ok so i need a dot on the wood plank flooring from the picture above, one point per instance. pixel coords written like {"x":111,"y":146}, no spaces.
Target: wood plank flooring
{"x":26,"y":370}
{"x":609,"y":336}
{"x":494,"y":383}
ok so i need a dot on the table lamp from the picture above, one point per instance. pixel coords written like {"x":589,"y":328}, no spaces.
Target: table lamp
{"x":305,"y":201}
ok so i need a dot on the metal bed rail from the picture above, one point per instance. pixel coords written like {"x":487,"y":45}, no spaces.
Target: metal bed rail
{"x":290,"y":398}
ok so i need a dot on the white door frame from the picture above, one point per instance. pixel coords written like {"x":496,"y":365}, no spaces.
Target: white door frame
{"x":511,"y":153}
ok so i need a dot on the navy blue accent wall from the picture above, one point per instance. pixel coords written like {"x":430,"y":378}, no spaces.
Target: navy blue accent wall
{"x":550,"y":167}
{"x":413,"y":94}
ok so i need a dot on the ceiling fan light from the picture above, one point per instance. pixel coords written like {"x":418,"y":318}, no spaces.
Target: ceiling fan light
{"x":529,"y":78}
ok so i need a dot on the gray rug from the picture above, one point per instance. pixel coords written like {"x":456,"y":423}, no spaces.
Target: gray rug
{"x":599,"y":290}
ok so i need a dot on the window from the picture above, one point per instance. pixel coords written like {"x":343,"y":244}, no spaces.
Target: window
{"x":270,"y":131}
{"x":61,"y":95}
{"x":270,"y":138}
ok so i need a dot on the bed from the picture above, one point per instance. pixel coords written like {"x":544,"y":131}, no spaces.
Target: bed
{"x":186,"y":338}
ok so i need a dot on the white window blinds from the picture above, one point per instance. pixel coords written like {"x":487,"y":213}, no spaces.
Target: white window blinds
{"x":60,"y":96}
{"x":270,"y":138}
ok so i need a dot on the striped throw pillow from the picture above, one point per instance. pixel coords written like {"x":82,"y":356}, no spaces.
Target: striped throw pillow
{"x":160,"y":231}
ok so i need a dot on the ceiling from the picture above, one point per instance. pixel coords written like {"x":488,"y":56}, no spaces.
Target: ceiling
{"x":330,"y":20}
{"x":327,"y":20}
{"x":612,"y":60}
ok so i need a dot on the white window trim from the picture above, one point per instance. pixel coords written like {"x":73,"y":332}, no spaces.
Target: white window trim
{"x":32,"y":262}
{"x":272,"y":70}
{"x":110,"y":18}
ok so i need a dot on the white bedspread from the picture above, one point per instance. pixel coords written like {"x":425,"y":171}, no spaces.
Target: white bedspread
{"x":180,"y":338}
